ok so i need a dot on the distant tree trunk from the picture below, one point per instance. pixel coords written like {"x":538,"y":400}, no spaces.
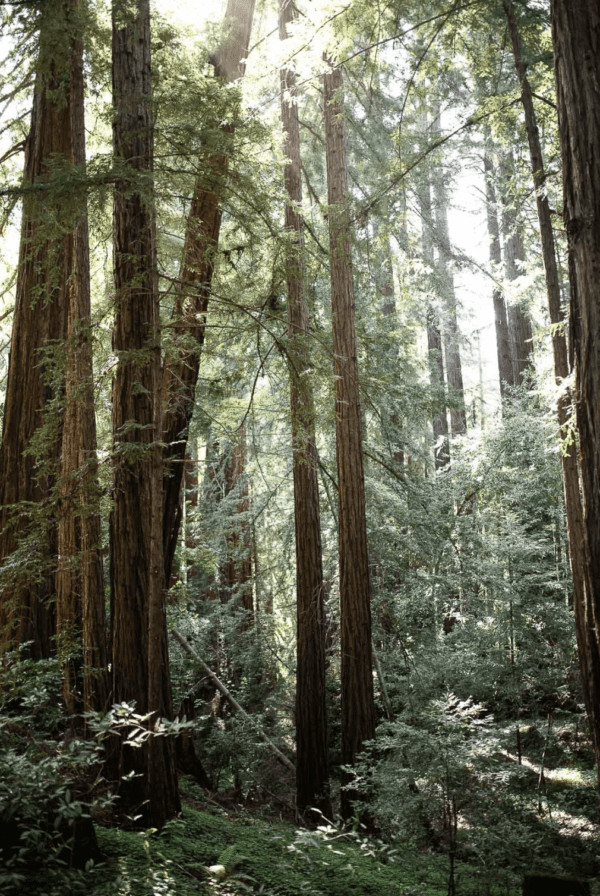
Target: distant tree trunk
{"x":189,"y":500}
{"x":458,"y":416}
{"x":434,"y":336}
{"x":312,"y":773}
{"x":384,"y":284}
{"x":201,"y":243}
{"x":236,"y":570}
{"x":28,"y":480}
{"x":139,"y":635}
{"x":505,"y":368}
{"x":519,"y":323}
{"x":384,"y":272}
{"x":80,"y":574}
{"x":358,"y":708}
{"x":576,"y":38}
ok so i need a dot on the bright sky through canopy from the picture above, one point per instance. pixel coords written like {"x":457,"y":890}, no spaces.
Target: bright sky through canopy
{"x":188,"y":12}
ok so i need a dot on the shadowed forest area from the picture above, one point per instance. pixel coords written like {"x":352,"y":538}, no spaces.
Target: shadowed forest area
{"x":300,"y":452}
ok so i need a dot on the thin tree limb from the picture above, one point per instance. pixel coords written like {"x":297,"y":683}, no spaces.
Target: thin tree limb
{"x":231,"y":699}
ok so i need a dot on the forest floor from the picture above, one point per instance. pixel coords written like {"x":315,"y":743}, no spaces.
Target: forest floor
{"x":222,"y":848}
{"x":535,"y":811}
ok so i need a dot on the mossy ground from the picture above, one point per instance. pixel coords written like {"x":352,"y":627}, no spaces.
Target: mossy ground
{"x":217,"y":851}
{"x":263,"y":857}
{"x":270,"y":858}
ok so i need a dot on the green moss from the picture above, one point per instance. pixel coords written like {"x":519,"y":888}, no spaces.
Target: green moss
{"x":271,"y":858}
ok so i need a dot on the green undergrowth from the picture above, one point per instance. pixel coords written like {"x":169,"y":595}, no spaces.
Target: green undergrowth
{"x":212,"y":851}
{"x":249,"y":855}
{"x":208,"y":853}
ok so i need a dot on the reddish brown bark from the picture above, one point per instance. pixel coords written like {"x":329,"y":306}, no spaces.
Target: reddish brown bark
{"x":312,"y":775}
{"x":80,"y":575}
{"x":576,"y":38}
{"x":139,"y":635}
{"x":358,"y":708}
{"x":30,"y":449}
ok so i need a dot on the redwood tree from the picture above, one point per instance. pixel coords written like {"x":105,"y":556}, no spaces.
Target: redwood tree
{"x":505,"y":368}
{"x":139,"y":636}
{"x":311,"y":711}
{"x":358,"y":708}
{"x":519,"y":323}
{"x":47,"y":459}
{"x":201,"y":243}
{"x":434,"y":334}
{"x":458,"y":416}
{"x":576,"y":38}
{"x":80,"y":574}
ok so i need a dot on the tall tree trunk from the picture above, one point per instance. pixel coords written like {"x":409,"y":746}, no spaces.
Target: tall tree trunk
{"x":519,"y":324}
{"x":458,"y":416}
{"x":80,"y":574}
{"x":576,"y":38}
{"x":583,"y":609}
{"x":505,"y":368}
{"x":312,"y":772}
{"x":139,"y":634}
{"x":201,"y":243}
{"x":434,"y":336}
{"x":358,"y":708}
{"x":31,"y":431}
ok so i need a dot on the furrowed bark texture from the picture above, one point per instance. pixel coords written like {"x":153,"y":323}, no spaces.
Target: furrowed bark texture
{"x":576,"y":38}
{"x":80,"y":575}
{"x":358,"y":711}
{"x":505,"y":368}
{"x":139,"y":635}
{"x":312,"y":773}
{"x":39,"y":323}
{"x":201,"y":243}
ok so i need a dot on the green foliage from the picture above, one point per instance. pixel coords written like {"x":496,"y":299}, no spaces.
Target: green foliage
{"x":47,"y":786}
{"x":267,"y":858}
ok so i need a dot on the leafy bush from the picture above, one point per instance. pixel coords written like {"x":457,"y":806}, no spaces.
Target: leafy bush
{"x":45,"y":775}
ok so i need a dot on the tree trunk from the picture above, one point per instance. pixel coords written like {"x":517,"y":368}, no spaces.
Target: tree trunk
{"x":434,"y":336}
{"x":31,"y":424}
{"x":384,"y":285}
{"x":458,"y":417}
{"x":236,"y":570}
{"x":505,"y":368}
{"x":201,"y":242}
{"x":139,"y":635}
{"x":519,"y":324}
{"x":358,"y":708}
{"x":312,"y":773}
{"x":80,"y":574}
{"x":576,"y":38}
